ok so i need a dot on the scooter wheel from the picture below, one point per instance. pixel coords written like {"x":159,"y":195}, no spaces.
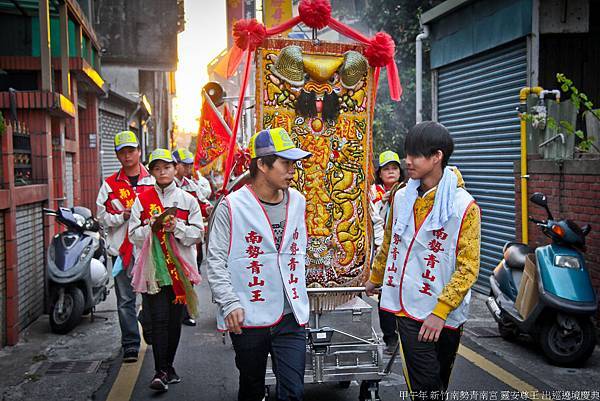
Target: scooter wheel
{"x":63,"y":322}
{"x":568,"y":340}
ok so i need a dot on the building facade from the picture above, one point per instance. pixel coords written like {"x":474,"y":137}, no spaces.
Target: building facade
{"x":61,"y":110}
{"x":140,"y":59}
{"x":50,"y":85}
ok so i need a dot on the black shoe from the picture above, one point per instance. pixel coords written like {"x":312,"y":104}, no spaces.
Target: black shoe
{"x":130,"y":356}
{"x":189,"y":321}
{"x":172,"y":377}
{"x":159,"y":382}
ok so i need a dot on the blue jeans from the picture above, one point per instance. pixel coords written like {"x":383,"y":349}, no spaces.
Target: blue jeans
{"x":286,"y":341}
{"x":130,"y":334}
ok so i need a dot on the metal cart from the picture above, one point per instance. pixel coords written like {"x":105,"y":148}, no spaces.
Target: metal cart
{"x":342,"y":345}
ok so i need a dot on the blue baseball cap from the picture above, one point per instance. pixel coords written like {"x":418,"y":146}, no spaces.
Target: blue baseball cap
{"x":183,"y":156}
{"x":275,"y":141}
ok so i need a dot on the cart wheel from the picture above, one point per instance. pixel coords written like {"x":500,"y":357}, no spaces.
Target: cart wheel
{"x":369,"y":391}
{"x":344,"y":384}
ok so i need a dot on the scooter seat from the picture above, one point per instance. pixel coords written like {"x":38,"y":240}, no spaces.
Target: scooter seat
{"x":515,"y":254}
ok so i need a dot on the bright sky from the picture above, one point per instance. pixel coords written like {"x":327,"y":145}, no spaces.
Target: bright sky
{"x":203,"y":39}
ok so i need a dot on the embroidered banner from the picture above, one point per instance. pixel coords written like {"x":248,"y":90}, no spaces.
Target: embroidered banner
{"x":322,"y":95}
{"x":212,"y":140}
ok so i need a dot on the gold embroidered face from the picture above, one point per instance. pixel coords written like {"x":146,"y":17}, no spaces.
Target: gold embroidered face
{"x":317,"y":85}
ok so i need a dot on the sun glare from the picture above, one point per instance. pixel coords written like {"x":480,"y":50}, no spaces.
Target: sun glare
{"x":204,"y":38}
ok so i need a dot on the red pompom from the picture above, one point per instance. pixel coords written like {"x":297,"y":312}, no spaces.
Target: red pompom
{"x":381,"y":50}
{"x":315,"y":13}
{"x":242,"y":161}
{"x":249,"y":34}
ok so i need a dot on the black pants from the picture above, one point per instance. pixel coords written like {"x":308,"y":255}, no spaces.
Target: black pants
{"x":166,"y":319}
{"x":387,"y":322}
{"x":286,"y":342}
{"x":428,"y":365}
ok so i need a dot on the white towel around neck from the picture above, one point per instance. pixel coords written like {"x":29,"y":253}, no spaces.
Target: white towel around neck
{"x":443,"y":205}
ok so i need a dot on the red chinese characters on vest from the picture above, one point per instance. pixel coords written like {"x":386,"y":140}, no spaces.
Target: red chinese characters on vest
{"x":292,"y":264}
{"x":122,"y":197}
{"x":393,"y":268}
{"x":435,"y":246}
{"x":253,"y":240}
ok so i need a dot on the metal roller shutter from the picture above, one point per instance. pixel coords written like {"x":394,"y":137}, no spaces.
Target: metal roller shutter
{"x":477,"y":98}
{"x":110,"y":125}
{"x":69,"y":179}
{"x":2,"y":283}
{"x":30,"y":261}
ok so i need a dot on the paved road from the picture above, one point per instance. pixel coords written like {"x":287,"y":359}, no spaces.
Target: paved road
{"x":486,"y":363}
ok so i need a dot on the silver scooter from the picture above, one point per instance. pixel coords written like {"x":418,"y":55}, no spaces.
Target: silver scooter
{"x":77,"y":274}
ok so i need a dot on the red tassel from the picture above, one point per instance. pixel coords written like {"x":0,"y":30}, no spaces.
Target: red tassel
{"x":381,"y":49}
{"x":315,"y":13}
{"x":376,"y":74}
{"x":394,"y":81}
{"x":249,"y":34}
{"x":241,"y":161}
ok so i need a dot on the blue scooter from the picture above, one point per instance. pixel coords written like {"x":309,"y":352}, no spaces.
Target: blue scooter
{"x":560,"y":319}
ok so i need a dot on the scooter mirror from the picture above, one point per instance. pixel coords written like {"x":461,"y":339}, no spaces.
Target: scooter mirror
{"x":586,"y":229}
{"x":539,"y":199}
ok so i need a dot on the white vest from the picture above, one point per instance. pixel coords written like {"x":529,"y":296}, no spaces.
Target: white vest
{"x":259,"y":271}
{"x":420,"y":263}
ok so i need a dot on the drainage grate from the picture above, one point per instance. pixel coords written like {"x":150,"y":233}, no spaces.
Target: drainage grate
{"x":484,"y":332}
{"x":66,"y":367}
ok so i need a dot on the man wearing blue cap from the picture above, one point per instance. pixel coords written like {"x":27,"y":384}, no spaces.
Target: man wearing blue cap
{"x":185,"y":163}
{"x":184,"y":160}
{"x":256,"y":271}
{"x":115,"y":199}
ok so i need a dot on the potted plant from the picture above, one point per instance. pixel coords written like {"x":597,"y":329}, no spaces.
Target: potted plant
{"x":586,"y":143}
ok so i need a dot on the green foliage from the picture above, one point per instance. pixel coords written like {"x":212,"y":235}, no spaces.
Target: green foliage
{"x":2,"y":124}
{"x":581,"y":101}
{"x":400,"y":19}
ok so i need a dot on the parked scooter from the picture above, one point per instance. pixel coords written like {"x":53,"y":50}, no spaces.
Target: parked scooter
{"x":77,"y":274}
{"x":561,"y":317}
